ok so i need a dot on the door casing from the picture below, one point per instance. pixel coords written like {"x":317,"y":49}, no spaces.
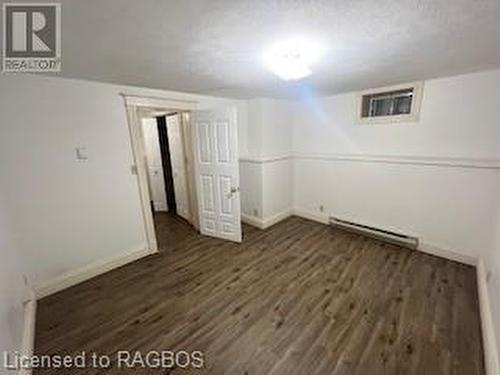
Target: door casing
{"x":133,"y":104}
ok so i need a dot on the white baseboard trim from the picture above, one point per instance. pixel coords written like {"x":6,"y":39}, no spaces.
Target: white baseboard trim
{"x":314,"y":216}
{"x":28,"y":340}
{"x":276,"y":218}
{"x":254,"y":221}
{"x":79,"y":275}
{"x":267,"y":222}
{"x":447,"y":254}
{"x":490,"y":347}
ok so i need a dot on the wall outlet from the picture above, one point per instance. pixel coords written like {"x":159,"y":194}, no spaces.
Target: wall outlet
{"x":255,"y":212}
{"x":321,"y":208}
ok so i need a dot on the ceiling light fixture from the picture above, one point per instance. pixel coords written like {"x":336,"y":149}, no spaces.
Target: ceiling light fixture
{"x":292,"y":59}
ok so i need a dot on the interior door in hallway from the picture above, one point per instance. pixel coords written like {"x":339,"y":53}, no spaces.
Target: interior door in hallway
{"x":178,"y":160}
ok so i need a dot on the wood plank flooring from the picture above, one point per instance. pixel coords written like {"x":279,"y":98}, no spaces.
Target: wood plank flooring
{"x":297,"y":298}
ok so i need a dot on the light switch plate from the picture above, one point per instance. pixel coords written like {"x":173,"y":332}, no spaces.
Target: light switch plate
{"x":81,"y":153}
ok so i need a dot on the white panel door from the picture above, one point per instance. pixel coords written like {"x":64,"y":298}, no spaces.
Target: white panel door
{"x":178,"y":162}
{"x":217,"y":173}
{"x":156,"y":183}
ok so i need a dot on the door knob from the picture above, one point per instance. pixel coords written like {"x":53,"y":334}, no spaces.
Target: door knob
{"x":233,"y":191}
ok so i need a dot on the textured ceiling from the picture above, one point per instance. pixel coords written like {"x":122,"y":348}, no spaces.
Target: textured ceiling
{"x":215,"y":46}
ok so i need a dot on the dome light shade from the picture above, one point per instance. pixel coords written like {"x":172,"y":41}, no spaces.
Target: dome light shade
{"x":292,"y":59}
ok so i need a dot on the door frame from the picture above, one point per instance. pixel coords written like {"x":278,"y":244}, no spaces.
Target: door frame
{"x":132,"y":105}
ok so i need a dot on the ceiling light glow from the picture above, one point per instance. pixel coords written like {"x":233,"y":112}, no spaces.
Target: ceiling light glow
{"x":292,"y":59}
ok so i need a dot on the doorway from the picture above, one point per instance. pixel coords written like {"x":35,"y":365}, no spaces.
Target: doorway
{"x":210,"y":142}
{"x":168,"y":178}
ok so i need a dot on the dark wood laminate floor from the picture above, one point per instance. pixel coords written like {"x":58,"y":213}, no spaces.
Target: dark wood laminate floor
{"x":298,"y":298}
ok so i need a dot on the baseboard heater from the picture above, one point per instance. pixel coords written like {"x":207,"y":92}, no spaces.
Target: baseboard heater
{"x":380,"y":234}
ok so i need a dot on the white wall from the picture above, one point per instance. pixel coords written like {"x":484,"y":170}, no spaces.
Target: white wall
{"x":277,"y":132}
{"x":432,"y":178}
{"x":449,"y":207}
{"x":277,"y":181}
{"x":266,"y":189}
{"x":277,"y":127}
{"x":459,"y":119}
{"x":72,"y":213}
{"x":266,"y":171}
{"x":12,"y":290}
{"x":251,"y":187}
{"x":492,"y":264}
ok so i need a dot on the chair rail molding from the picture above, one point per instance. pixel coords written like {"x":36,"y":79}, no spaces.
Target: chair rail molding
{"x":418,"y":160}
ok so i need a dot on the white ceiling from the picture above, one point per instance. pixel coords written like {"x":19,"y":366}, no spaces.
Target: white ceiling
{"x":215,"y":46}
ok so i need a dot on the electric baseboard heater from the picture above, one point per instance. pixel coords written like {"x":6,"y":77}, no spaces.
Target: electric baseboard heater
{"x":380,"y":234}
